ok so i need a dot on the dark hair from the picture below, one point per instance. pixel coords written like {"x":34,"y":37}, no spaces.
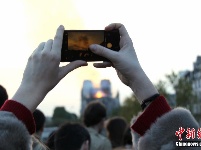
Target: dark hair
{"x":50,"y":140}
{"x":70,"y":136}
{"x":94,"y":113}
{"x":127,"y":139}
{"x":3,"y":95}
{"x":39,"y":118}
{"x":116,"y":128}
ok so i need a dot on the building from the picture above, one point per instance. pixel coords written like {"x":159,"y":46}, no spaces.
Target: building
{"x":102,"y":94}
{"x":195,"y":77}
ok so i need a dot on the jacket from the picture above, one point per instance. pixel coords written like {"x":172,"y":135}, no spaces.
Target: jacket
{"x":161,"y":133}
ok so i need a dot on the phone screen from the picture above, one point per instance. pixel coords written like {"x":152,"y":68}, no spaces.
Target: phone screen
{"x":83,"y":39}
{"x":76,"y":44}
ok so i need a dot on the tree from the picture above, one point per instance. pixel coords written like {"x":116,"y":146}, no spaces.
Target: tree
{"x":60,"y":115}
{"x":130,"y":108}
{"x":183,"y":90}
{"x":161,"y":87}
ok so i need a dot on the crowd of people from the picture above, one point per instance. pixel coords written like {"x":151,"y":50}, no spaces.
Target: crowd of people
{"x":153,"y":129}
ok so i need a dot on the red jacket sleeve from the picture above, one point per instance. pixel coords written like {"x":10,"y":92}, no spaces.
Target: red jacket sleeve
{"x":21,"y":112}
{"x":155,"y":110}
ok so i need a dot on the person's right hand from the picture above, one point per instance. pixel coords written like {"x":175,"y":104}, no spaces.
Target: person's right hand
{"x":126,"y":63}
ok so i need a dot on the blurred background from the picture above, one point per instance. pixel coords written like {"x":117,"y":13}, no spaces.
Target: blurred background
{"x":166,"y":36}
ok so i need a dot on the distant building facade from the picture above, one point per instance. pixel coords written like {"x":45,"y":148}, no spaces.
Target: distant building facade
{"x":102,"y":94}
{"x":195,"y":77}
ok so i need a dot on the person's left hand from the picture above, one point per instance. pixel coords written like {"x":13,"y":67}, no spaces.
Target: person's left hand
{"x":42,"y":72}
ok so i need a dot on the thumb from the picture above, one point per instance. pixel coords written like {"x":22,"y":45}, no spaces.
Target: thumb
{"x":63,"y":71}
{"x":104,"y":52}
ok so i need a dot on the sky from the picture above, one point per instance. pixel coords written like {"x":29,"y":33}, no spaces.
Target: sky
{"x":166,"y":36}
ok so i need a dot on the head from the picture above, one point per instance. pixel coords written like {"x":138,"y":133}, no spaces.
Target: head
{"x":39,"y":118}
{"x":94,"y":114}
{"x":3,"y":95}
{"x":116,"y":128}
{"x":72,"y":136}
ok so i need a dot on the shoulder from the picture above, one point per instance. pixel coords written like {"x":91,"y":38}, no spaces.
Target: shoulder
{"x":9,"y":122}
{"x":105,"y":142}
{"x":99,"y":141}
{"x":164,"y":129}
{"x":13,"y":132}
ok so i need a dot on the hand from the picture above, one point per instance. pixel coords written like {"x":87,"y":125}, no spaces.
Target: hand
{"x":43,"y":73}
{"x":121,"y":60}
{"x":126,"y":64}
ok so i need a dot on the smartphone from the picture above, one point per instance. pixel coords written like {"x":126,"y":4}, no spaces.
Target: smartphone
{"x":76,"y":44}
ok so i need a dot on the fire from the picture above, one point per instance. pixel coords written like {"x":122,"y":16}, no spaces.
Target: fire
{"x":99,"y":94}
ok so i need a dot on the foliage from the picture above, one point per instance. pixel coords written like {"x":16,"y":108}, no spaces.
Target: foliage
{"x":60,"y":116}
{"x":161,"y":87}
{"x":130,"y":108}
{"x":183,"y":90}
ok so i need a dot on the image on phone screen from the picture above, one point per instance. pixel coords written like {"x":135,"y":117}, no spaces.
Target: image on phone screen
{"x":82,"y":40}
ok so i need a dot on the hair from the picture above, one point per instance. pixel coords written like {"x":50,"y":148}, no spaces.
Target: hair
{"x":116,"y":128}
{"x":94,"y":113}
{"x":3,"y":95}
{"x":127,"y":138}
{"x":70,"y":136}
{"x":39,"y":118}
{"x":50,"y":141}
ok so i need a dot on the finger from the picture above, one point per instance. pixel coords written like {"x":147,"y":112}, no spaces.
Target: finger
{"x":40,"y":46}
{"x":125,"y":38}
{"x":121,"y":27}
{"x":103,"y":65}
{"x":70,"y":67}
{"x":58,"y":39}
{"x":48,"y":45}
{"x":104,"y":52}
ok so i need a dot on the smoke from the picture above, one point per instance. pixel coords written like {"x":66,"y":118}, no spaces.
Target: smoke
{"x":89,"y":73}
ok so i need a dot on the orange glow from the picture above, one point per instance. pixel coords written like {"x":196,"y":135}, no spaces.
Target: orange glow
{"x":99,"y":94}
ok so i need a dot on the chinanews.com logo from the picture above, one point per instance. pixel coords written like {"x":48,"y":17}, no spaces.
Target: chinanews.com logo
{"x":191,"y":134}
